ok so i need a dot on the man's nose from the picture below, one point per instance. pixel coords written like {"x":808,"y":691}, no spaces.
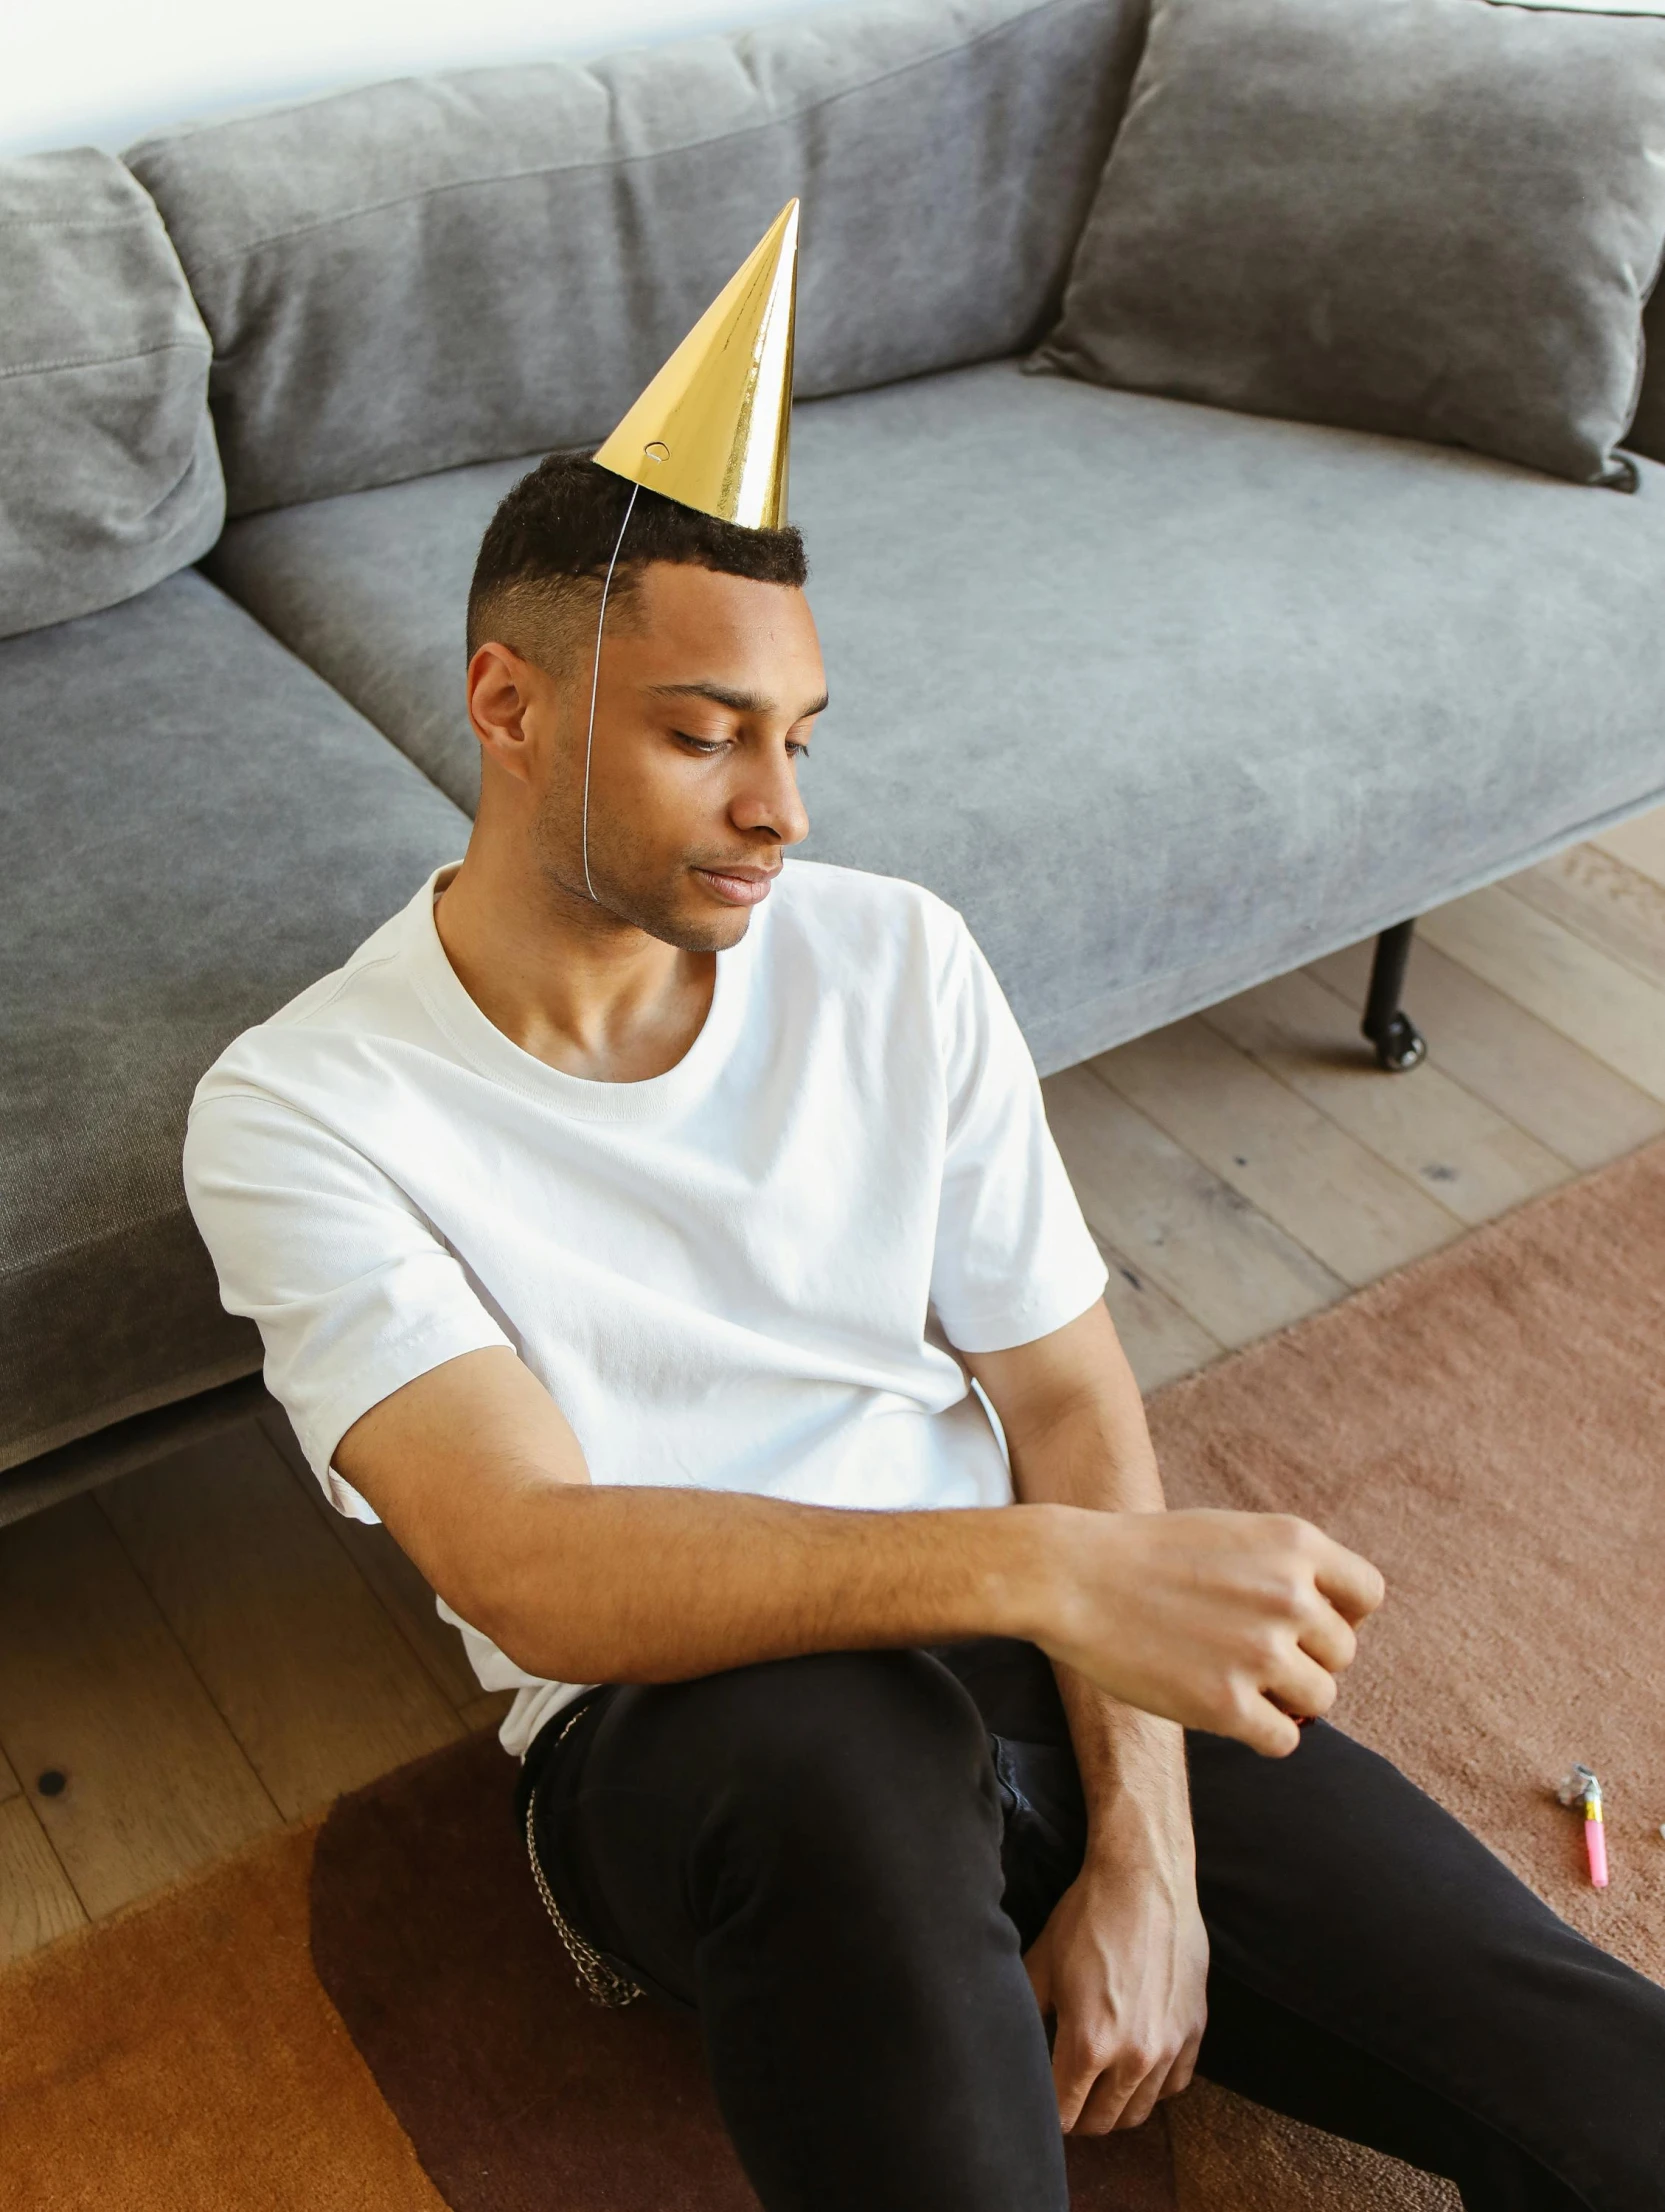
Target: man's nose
{"x":771,"y":801}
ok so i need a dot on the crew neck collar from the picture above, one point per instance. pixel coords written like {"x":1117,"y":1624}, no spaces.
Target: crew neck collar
{"x":486,"y":1048}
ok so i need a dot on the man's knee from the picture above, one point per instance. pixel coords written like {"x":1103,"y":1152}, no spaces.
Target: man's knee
{"x":862,"y":1809}
{"x":836,"y":1726}
{"x":841,"y":1763}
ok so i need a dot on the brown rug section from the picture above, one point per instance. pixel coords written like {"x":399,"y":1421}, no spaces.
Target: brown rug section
{"x":519,"y":2095}
{"x":183,"y":2058}
{"x":1489,"y":1427}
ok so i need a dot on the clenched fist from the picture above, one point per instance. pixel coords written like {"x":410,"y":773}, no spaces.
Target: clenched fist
{"x":1230,"y":1622}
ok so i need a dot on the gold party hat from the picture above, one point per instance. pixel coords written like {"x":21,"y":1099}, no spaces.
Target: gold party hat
{"x":712,"y":429}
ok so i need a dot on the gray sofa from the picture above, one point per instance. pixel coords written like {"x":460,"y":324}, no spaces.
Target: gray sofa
{"x":1165,"y":699}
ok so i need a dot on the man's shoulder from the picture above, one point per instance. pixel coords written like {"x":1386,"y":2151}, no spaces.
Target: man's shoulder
{"x":851,"y":909}
{"x":369,"y":994}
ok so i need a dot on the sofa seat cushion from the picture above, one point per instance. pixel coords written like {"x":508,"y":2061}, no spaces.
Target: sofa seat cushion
{"x":192,"y":829}
{"x":1165,"y":699}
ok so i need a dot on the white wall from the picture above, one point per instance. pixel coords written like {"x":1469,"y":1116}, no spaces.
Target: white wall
{"x":101,"y":72}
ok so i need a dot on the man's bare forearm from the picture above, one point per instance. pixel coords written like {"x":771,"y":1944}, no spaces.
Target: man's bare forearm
{"x":1091,"y":1448}
{"x":481,"y":1479}
{"x":616,"y":1584}
{"x":1132,"y":1772}
{"x":1220,"y":1620}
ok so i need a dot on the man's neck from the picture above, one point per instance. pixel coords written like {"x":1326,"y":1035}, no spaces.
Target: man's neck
{"x":570,"y":983}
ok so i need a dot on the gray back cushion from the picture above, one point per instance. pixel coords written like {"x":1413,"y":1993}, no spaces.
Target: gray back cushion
{"x":449,"y":269}
{"x":110,"y":480}
{"x":1434,"y":218}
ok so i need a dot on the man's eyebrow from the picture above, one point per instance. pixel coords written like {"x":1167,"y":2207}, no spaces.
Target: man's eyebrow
{"x":738,"y":702}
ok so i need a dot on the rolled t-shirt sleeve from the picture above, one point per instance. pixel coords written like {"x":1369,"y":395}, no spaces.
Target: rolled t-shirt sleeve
{"x":352,"y":1291}
{"x":1014,"y":1259}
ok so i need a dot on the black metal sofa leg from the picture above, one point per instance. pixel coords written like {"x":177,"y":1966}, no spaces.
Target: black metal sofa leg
{"x":1399,"y":1044}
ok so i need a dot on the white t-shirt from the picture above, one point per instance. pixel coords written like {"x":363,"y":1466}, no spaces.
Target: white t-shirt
{"x":745,"y":1274}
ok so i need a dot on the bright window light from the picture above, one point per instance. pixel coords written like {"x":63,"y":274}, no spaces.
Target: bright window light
{"x":103,"y":72}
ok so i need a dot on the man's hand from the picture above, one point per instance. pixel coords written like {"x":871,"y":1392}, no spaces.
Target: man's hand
{"x":1122,"y":1965}
{"x":1229,"y":1622}
{"x":1122,"y":1968}
{"x":1225,"y":1621}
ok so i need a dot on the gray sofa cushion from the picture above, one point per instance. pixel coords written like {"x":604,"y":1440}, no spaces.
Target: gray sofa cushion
{"x":441,"y":270}
{"x":1428,"y":217}
{"x":370,"y":588}
{"x":1165,"y":699}
{"x":192,"y":828}
{"x":110,"y":478}
{"x":1647,"y":432}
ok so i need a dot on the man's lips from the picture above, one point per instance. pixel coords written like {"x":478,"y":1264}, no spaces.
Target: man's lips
{"x":739,"y":886}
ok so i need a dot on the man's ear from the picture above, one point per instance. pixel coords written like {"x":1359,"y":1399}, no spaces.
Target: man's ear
{"x":501,"y":687}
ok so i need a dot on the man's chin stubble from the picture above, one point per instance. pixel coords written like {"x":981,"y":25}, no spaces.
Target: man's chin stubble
{"x":695,"y":922}
{"x":673,"y":924}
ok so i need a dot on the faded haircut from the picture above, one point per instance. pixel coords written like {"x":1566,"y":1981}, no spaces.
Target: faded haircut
{"x":544,"y":556}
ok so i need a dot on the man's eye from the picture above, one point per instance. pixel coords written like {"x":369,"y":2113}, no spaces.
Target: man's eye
{"x":699,"y":744}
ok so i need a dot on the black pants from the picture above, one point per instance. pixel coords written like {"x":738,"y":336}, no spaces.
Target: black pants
{"x":839,"y":1861}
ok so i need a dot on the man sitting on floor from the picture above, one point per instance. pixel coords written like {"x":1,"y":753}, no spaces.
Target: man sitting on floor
{"x":628,"y":1222}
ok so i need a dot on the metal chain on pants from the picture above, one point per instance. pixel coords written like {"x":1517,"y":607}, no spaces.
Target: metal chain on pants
{"x":599,"y":1981}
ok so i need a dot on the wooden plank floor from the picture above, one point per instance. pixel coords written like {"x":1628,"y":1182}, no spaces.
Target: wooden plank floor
{"x":203,"y":1650}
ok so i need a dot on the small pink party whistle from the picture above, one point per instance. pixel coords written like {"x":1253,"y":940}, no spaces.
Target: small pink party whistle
{"x":1581,"y":1787}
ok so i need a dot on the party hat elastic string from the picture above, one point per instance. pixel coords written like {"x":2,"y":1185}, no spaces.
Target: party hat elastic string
{"x":595,"y":682}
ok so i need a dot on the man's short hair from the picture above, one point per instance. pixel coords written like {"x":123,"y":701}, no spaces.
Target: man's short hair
{"x":544,"y":556}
